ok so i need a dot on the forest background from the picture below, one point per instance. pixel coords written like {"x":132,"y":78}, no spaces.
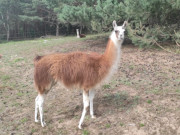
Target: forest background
{"x":150,"y":21}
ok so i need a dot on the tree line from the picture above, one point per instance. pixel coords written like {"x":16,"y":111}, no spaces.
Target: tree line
{"x":150,"y":21}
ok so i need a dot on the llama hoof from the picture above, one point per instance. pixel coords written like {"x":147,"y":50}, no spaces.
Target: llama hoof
{"x":36,"y":121}
{"x":93,"y":117}
{"x":79,"y":127}
{"x":43,"y":124}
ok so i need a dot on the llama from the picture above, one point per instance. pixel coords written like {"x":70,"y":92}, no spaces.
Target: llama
{"x":78,"y":70}
{"x":80,"y":35}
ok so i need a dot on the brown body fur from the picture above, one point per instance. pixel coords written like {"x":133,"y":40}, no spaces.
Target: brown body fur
{"x":74,"y":70}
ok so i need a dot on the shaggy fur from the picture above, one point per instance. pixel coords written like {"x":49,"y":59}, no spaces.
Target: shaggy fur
{"x":79,"y":70}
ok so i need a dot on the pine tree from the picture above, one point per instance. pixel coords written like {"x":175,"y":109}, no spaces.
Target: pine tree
{"x":8,"y":16}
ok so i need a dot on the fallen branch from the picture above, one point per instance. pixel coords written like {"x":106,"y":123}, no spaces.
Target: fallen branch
{"x":163,"y":47}
{"x":174,"y":94}
{"x":177,"y":43}
{"x":154,"y":42}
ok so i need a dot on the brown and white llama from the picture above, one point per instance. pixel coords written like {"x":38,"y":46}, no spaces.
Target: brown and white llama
{"x":78,"y":70}
{"x":80,"y":35}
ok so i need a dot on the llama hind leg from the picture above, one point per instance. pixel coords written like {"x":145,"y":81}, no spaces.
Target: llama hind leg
{"x":40,"y":105}
{"x":86,"y":104}
{"x":91,"y":97}
{"x":36,"y":109}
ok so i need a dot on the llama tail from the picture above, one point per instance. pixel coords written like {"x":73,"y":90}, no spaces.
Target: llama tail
{"x":37,"y":58}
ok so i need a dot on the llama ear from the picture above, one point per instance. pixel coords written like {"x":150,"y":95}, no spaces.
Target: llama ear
{"x":114,"y":24}
{"x":124,"y":24}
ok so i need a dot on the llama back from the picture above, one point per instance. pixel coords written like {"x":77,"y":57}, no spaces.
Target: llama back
{"x":78,"y":70}
{"x":37,"y":58}
{"x":75,"y":70}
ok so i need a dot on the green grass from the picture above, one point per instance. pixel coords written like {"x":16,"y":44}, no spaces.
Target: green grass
{"x":149,"y":101}
{"x":5,"y":78}
{"x":62,"y":131}
{"x":20,"y":94}
{"x":106,"y":86}
{"x":33,"y":130}
{"x":155,"y":91}
{"x":125,"y":81}
{"x":121,"y":124}
{"x":61,"y":121}
{"x":87,"y":117}
{"x":108,"y":125}
{"x":18,"y":60}
{"x":111,"y":85}
{"x":178,"y":80}
{"x":121,"y":100}
{"x":141,"y":125}
{"x":16,"y":104}
{"x":23,"y":120}
{"x":85,"y":132}
{"x":30,"y":46}
{"x":178,"y":90}
{"x":131,"y":67}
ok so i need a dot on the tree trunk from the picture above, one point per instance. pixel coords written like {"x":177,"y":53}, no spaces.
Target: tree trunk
{"x":45,"y":29}
{"x":8,"y":31}
{"x":80,"y":29}
{"x":57,"y":29}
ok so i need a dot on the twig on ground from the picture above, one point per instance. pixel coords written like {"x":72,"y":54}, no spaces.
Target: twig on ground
{"x":177,"y":43}
{"x":163,"y":47}
{"x":174,"y":94}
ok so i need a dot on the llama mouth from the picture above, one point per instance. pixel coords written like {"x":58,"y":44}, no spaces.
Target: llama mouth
{"x":120,"y":39}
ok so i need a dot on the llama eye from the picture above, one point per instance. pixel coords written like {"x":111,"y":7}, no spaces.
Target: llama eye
{"x":116,"y":31}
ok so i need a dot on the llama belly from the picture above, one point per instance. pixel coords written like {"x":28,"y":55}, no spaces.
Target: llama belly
{"x":83,"y":82}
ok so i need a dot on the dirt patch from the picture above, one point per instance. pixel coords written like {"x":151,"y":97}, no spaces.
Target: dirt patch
{"x":141,"y":99}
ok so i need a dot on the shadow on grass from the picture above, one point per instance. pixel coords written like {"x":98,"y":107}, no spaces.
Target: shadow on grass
{"x":107,"y":104}
{"x":116,"y":102}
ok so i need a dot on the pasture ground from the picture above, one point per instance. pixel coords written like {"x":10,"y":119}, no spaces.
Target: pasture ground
{"x":141,"y":99}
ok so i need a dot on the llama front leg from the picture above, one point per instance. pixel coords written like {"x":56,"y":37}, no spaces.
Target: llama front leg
{"x":91,"y":97}
{"x":86,"y":104}
{"x":36,"y":109}
{"x":40,"y":105}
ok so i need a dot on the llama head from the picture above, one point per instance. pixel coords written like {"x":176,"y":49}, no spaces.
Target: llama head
{"x":119,"y":30}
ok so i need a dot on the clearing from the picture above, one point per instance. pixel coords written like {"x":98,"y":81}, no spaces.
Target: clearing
{"x":141,"y":99}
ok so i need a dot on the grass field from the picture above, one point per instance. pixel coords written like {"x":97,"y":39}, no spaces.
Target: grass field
{"x":141,"y":99}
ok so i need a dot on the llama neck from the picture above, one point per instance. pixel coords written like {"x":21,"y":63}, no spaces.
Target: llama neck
{"x":110,"y":59}
{"x":112,"y":52}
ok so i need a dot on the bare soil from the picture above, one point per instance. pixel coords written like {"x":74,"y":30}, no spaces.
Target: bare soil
{"x":141,"y":99}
